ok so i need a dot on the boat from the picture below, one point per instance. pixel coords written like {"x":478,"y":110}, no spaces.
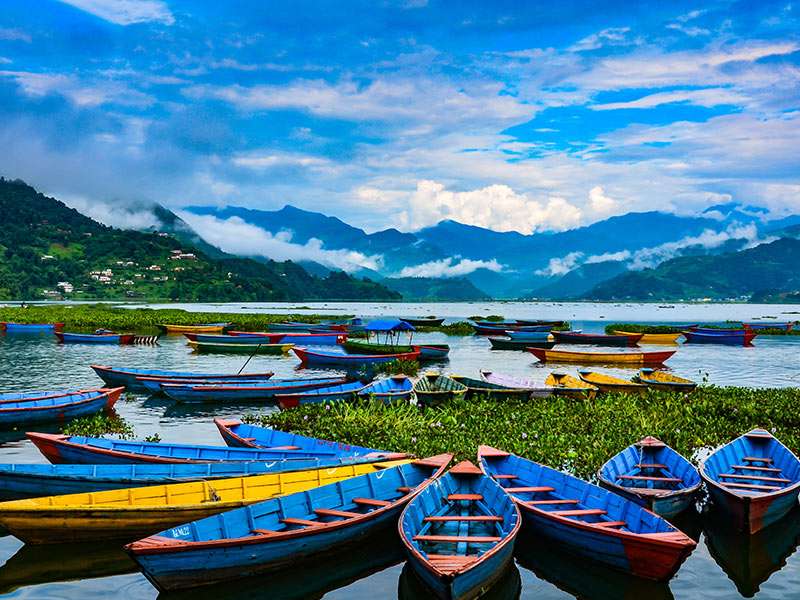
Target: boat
{"x":66,"y":449}
{"x":745,"y":338}
{"x":18,"y":481}
{"x":535,"y":390}
{"x":754,"y":480}
{"x":501,"y":343}
{"x":459,"y":533}
{"x":502,"y":328}
{"x":568,"y":386}
{"x":432,"y":389}
{"x":597,"y":339}
{"x":531,"y":336}
{"x":245,"y":348}
{"x":338,"y":359}
{"x":480,"y":388}
{"x":245,"y":391}
{"x":131,"y":377}
{"x":787,"y":327}
{"x":11,"y":327}
{"x":608,"y":358}
{"x":716,"y":330}
{"x":508,"y":586}
{"x":539,"y":323}
{"x":129,"y":514}
{"x":57,"y":408}
{"x":305,"y":339}
{"x":608,"y":383}
{"x":152,"y":385}
{"x":304,"y":328}
{"x":664,"y":380}
{"x":426,"y":351}
{"x":653,"y":475}
{"x":271,"y":535}
{"x":201,"y":328}
{"x":388,"y":390}
{"x":424,"y":321}
{"x":587,"y":520}
{"x":653,"y":338}
{"x":122,"y":339}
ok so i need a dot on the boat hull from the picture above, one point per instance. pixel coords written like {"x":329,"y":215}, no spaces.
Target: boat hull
{"x":654,"y":338}
{"x":57,"y":408}
{"x":130,"y":378}
{"x":245,"y":348}
{"x":31,"y":327}
{"x":622,"y":358}
{"x":511,"y":344}
{"x":210,"y":328}
{"x":91,"y":338}
{"x":568,"y":337}
{"x":337,"y":360}
{"x":729,"y":339}
{"x":257,"y":392}
{"x":751,"y":514}
{"x":667,"y":506}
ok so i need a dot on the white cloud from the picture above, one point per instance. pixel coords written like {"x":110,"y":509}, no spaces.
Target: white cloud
{"x":267,"y":160}
{"x":238,"y":237}
{"x":613,"y":36}
{"x":600,"y":203}
{"x":561,"y":265}
{"x":706,"y":97}
{"x":12,"y":35}
{"x":608,"y":256}
{"x":80,"y":93}
{"x":115,"y":214}
{"x":448,"y":267}
{"x":126,"y":12}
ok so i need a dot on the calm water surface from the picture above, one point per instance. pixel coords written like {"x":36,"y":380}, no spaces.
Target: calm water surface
{"x":722,"y":566}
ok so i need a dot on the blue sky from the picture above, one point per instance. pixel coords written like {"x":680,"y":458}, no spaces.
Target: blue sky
{"x":509,"y":115}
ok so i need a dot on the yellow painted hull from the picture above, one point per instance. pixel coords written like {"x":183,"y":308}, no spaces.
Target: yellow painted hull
{"x":138,"y":512}
{"x":670,"y":339}
{"x":596,"y":358}
{"x":607,"y":383}
{"x":570,"y":387}
{"x":194,"y":328}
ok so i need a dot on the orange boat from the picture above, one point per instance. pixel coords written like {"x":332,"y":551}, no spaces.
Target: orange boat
{"x":633,"y":359}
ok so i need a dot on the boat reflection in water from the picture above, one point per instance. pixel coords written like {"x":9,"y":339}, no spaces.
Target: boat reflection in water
{"x":750,"y":560}
{"x":57,"y":563}
{"x":583,"y":578}
{"x":310,"y":579}
{"x":508,"y":587}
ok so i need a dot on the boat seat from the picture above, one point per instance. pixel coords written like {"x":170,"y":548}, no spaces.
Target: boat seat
{"x":480,"y":518}
{"x":754,"y":435}
{"x":650,"y":478}
{"x":471,"y":497}
{"x":530,"y":489}
{"x":371,"y":502}
{"x":504,"y":476}
{"x":748,"y":486}
{"x":755,"y":478}
{"x":752,"y":468}
{"x":758,"y":458}
{"x":455,"y":539}
{"x":346,"y":514}
{"x":263,"y":532}
{"x":650,"y":466}
{"x":583,"y":512}
{"x":404,"y":489}
{"x":610,"y":524}
{"x":302,"y":522}
{"x":537,"y":502}
{"x":450,"y":561}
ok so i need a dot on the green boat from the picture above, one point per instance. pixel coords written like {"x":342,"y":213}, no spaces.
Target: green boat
{"x":226,"y":348}
{"x":426,"y":351}
{"x":493,"y":391}
{"x":432,"y":389}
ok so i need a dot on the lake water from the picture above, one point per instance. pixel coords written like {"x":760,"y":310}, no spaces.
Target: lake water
{"x":722,"y":566}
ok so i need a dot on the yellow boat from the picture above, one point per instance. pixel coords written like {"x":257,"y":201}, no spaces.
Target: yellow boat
{"x":210,"y":328}
{"x":664,"y":380}
{"x":670,"y":339}
{"x":633,"y":359}
{"x":133,"y":513}
{"x":607,"y":383}
{"x":570,"y":387}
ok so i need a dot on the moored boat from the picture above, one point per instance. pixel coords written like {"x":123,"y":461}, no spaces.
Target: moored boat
{"x":735,"y":338}
{"x":609,"y":358}
{"x":201,"y":328}
{"x":502,"y":328}
{"x":58,"y":407}
{"x":531,"y":336}
{"x":652,"y":474}
{"x":608,"y":383}
{"x":568,"y":386}
{"x":122,"y":339}
{"x":11,"y":327}
{"x":129,"y":377}
{"x":654,"y":338}
{"x":762,"y":326}
{"x":664,"y":380}
{"x":500,"y":343}
{"x":390,"y":390}
{"x":587,"y":520}
{"x":492,"y":391}
{"x":535,"y":390}
{"x":271,"y":535}
{"x":433,"y":388}
{"x":459,"y":533}
{"x":298,"y":337}
{"x":754,"y":480}
{"x":240,"y":348}
{"x":338,"y":359}
{"x":426,"y":351}
{"x":244,"y":391}
{"x":424,"y":321}
{"x":597,"y":339}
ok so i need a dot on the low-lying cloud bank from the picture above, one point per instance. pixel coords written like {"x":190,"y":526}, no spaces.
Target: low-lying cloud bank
{"x":450,"y":267}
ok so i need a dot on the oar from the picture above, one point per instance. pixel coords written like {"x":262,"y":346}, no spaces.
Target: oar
{"x":249,"y":359}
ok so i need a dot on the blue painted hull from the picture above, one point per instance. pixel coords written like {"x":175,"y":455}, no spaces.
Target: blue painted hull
{"x":730,"y":339}
{"x":29,"y":327}
{"x":80,"y":338}
{"x":433,"y":352}
{"x":244,"y":391}
{"x":129,"y":377}
{"x":55,"y":409}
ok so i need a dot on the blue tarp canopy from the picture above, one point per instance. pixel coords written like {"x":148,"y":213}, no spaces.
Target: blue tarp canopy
{"x":389,"y":325}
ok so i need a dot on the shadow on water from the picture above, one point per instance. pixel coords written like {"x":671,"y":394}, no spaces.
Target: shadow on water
{"x":689,"y":522}
{"x":312,"y":578}
{"x":584,"y":579}
{"x":750,"y":560}
{"x":33,"y":565}
{"x":508,"y":587}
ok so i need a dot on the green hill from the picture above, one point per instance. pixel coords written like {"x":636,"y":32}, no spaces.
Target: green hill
{"x":49,"y":250}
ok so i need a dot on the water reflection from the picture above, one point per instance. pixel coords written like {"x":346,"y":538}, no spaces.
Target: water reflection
{"x":750,"y":560}
{"x":508,"y":587}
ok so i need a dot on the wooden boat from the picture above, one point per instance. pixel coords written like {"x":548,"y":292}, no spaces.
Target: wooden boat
{"x":424,"y":321}
{"x":304,"y":328}
{"x":664,"y":380}
{"x":244,"y":391}
{"x":57,"y":408}
{"x":19,"y":481}
{"x":65,"y":449}
{"x":745,"y":338}
{"x":226,"y":348}
{"x":135,"y":512}
{"x":608,"y":358}
{"x":203,"y":328}
{"x":587,"y":520}
{"x":597,"y":339}
{"x":130,"y":377}
{"x":539,"y":323}
{"x":11,"y":327}
{"x":499,"y":343}
{"x":568,"y":386}
{"x":652,"y":474}
{"x":152,"y":385}
{"x":530,"y":336}
{"x":426,"y":351}
{"x":122,"y":339}
{"x":432,"y":389}
{"x":11,"y":397}
{"x":654,"y":338}
{"x":716,"y":330}
{"x":388,"y":390}
{"x":337,"y":359}
{"x":535,"y":390}
{"x":608,"y":383}
{"x":761,"y":326}
{"x":270,"y":535}
{"x":754,"y":480}
{"x":433,"y":351}
{"x":459,"y":533}
{"x":508,"y":585}
{"x":492,"y":391}
{"x":501,"y":329}
{"x":306,"y":339}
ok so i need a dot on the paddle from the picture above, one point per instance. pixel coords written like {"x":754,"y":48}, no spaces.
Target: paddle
{"x":249,"y":359}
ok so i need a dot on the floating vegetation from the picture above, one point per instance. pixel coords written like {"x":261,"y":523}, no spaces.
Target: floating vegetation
{"x":99,"y":425}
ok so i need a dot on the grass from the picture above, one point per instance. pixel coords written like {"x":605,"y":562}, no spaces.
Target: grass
{"x":563,"y":433}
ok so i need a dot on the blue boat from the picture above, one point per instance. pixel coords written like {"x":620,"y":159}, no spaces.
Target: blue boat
{"x":754,"y":480}
{"x":277,"y":533}
{"x":433,"y":351}
{"x":338,"y":359}
{"x":18,"y":481}
{"x":388,"y":390}
{"x":587,"y":520}
{"x":652,"y":474}
{"x":397,"y":388}
{"x":530,"y":336}
{"x":65,"y":449}
{"x":30,"y":327}
{"x":152,"y":385}
{"x":735,"y":338}
{"x":95,"y":338}
{"x":130,"y":377}
{"x":241,"y":435}
{"x":245,"y":391}
{"x":717,"y":330}
{"x":761,"y":326}
{"x":459,"y":533}
{"x":57,"y":408}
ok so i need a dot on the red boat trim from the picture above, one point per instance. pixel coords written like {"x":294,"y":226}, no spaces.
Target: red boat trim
{"x":111,"y":394}
{"x":303,"y":353}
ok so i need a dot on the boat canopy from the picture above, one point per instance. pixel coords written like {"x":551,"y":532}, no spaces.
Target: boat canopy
{"x":388,"y":325}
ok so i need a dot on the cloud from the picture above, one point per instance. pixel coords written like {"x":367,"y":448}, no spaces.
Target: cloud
{"x":448,"y":267}
{"x":599,"y":202}
{"x":12,"y":35}
{"x":236,"y":236}
{"x":80,"y":93}
{"x":126,"y":12}
{"x":608,"y":256}
{"x":709,"y":97}
{"x":115,"y":214}
{"x":613,"y":36}
{"x":561,"y":265}
{"x":260,"y":161}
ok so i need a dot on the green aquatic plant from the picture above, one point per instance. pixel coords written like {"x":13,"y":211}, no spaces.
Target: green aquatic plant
{"x":99,"y":425}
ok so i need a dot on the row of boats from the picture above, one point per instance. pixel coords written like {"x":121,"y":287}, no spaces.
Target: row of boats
{"x":206,"y":514}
